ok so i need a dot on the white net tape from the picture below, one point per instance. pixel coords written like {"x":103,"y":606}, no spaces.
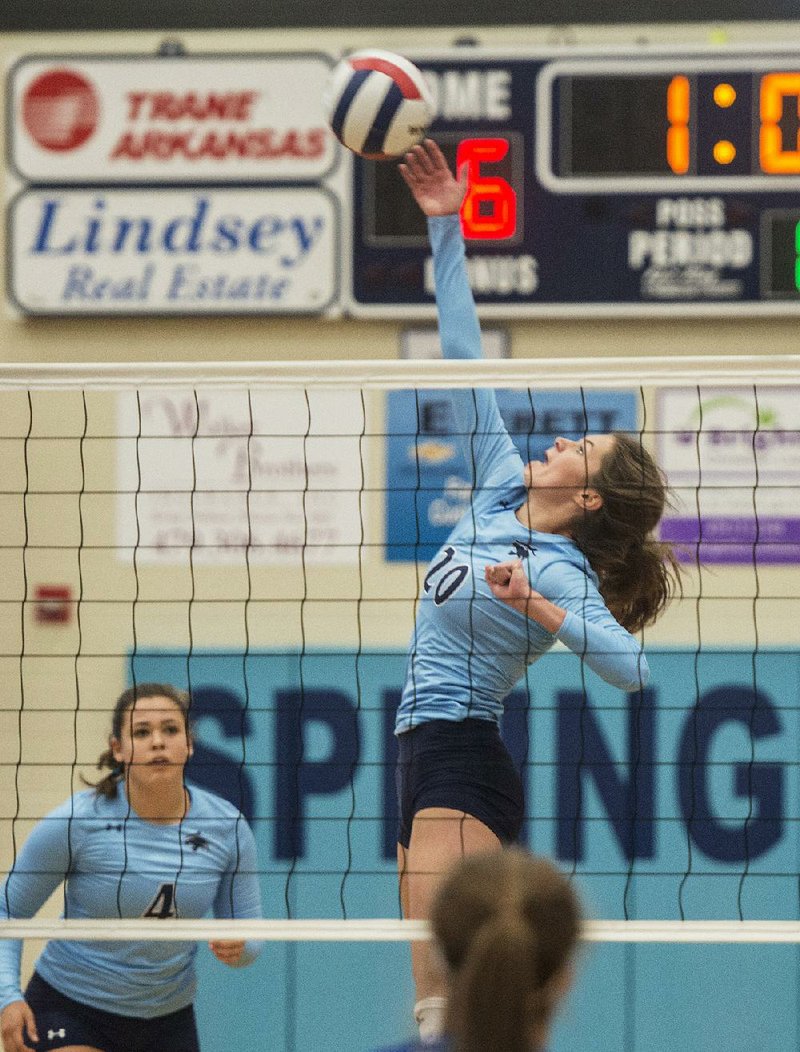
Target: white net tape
{"x":384,"y":931}
{"x":387,"y":375}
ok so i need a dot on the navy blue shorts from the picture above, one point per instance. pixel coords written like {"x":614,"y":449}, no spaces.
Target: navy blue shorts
{"x":462,"y":765}
{"x":62,"y":1022}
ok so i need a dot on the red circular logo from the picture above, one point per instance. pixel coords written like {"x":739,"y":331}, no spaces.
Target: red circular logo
{"x":60,"y":110}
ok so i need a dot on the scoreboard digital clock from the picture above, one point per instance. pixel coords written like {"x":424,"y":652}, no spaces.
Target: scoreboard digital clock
{"x":621,"y":182}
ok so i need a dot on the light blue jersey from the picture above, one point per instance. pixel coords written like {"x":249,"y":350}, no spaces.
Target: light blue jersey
{"x":468,"y":648}
{"x":118,"y":865}
{"x":441,"y":1045}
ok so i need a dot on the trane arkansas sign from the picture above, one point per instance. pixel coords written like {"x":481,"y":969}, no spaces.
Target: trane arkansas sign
{"x":187,"y":119}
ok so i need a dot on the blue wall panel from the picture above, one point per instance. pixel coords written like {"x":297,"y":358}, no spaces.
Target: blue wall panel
{"x":680,"y":801}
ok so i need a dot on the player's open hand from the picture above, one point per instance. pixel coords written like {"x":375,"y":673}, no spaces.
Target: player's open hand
{"x":229,"y":951}
{"x":16,"y":1024}
{"x":436,"y":190}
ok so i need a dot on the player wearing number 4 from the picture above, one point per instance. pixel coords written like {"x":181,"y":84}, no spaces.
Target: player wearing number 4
{"x":141,"y":843}
{"x":553,"y":549}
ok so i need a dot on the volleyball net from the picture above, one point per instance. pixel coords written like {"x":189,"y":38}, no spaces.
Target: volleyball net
{"x":259,"y":534}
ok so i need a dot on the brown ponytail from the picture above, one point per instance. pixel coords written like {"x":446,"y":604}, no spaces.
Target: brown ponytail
{"x":507,"y":924}
{"x":108,"y":786}
{"x":638,"y":574}
{"x":496,"y":972}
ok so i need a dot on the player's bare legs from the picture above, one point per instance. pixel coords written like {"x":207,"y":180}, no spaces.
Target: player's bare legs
{"x":439,"y":836}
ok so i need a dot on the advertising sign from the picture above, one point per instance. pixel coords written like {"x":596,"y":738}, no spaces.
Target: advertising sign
{"x":207,"y":118}
{"x":174,"y":251}
{"x":730,"y":455}
{"x":270,"y":476}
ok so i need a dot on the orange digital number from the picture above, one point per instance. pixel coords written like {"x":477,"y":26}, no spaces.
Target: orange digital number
{"x":678,"y":110}
{"x":775,"y":87}
{"x":489,"y":210}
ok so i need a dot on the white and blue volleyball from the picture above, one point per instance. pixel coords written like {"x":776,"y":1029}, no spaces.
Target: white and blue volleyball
{"x":378,"y":104}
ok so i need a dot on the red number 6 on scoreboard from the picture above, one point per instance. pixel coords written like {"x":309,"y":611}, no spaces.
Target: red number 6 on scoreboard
{"x":489,"y":210}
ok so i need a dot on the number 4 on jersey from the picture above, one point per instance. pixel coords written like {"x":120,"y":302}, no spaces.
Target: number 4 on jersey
{"x":163,"y":905}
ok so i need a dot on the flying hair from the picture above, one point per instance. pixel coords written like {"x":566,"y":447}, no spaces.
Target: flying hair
{"x":638,"y":574}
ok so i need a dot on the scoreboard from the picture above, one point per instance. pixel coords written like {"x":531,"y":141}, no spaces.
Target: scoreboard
{"x":621,"y":182}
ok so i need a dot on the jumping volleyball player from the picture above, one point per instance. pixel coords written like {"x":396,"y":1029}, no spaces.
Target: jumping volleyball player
{"x":141,"y":843}
{"x":554,"y":549}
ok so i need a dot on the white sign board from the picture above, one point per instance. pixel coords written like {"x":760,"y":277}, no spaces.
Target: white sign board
{"x":276,"y":476}
{"x":170,"y":251}
{"x":205,"y":119}
{"x":731,"y":458}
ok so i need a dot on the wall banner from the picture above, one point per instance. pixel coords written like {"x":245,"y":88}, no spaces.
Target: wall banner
{"x":679,"y":800}
{"x":208,"y":118}
{"x":731,"y":459}
{"x":171,"y":251}
{"x":229,"y":477}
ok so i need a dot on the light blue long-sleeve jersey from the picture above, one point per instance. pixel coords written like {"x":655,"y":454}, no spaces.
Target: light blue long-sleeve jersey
{"x":468,"y":648}
{"x":117,"y":865}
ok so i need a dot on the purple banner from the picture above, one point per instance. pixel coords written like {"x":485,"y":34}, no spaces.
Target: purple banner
{"x":733,"y":539}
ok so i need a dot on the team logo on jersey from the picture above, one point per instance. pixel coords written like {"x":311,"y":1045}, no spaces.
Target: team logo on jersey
{"x":115,"y":826}
{"x":56,"y":1033}
{"x":522,"y":550}
{"x":196,"y":841}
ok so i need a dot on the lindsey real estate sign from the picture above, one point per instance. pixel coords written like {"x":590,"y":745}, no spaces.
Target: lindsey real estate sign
{"x":173,"y":251}
{"x":211,"y":118}
{"x":179,"y":185}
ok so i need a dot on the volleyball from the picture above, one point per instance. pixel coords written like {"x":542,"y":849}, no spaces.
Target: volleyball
{"x":378,"y":104}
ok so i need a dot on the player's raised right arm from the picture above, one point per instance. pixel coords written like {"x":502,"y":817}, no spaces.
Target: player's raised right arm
{"x":439,"y":195}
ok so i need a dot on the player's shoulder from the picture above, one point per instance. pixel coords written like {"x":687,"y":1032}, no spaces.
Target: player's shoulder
{"x":559,"y":559}
{"x":210,"y":805}
{"x":503,"y":486}
{"x":73,"y":818}
{"x":86,"y":803}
